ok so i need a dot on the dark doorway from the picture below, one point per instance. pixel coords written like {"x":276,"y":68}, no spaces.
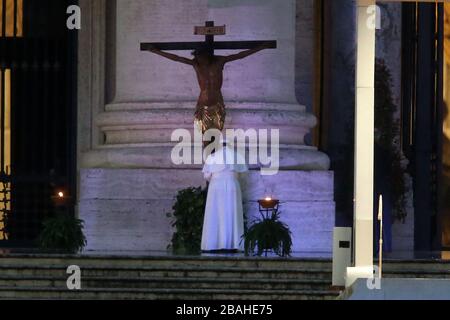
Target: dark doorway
{"x":422,"y":117}
{"x":38,"y":120}
{"x":445,"y":190}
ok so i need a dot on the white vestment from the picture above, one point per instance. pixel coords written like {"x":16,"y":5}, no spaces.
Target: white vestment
{"x":223,"y":224}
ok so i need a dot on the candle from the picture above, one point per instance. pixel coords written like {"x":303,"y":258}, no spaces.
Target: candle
{"x":268,"y":202}
{"x":61,"y":198}
{"x":380,"y":208}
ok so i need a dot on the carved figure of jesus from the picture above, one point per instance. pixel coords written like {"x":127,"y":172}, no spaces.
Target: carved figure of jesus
{"x":210,"y":110}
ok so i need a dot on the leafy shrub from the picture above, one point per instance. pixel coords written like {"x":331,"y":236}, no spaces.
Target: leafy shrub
{"x":188,"y":211}
{"x":63,"y":232}
{"x":268,"y":234}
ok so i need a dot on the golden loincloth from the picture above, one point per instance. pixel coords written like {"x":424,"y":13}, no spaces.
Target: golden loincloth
{"x":210,"y":117}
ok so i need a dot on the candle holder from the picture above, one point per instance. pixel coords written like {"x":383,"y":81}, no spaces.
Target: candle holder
{"x":268,"y":234}
{"x":60,"y":200}
{"x":268,"y":207}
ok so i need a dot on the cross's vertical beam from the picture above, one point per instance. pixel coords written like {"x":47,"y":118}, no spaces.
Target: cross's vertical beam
{"x":364,"y":143}
{"x":209,"y":39}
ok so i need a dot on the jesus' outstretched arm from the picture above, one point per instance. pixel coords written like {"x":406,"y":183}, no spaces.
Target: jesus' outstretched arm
{"x":246,"y":53}
{"x":171,"y":56}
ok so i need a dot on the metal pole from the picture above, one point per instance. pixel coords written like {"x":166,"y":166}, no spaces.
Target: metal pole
{"x":380,"y":242}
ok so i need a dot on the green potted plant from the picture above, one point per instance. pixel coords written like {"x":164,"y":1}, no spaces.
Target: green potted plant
{"x":188,"y":212}
{"x":268,"y":234}
{"x":62,"y":232}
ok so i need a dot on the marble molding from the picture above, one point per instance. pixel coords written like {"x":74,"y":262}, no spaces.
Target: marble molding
{"x":148,"y":126}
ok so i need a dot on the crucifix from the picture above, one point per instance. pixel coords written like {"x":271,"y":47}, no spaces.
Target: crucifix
{"x":210,"y":110}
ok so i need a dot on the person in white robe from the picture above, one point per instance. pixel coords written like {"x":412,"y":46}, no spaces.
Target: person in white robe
{"x":223,"y":224}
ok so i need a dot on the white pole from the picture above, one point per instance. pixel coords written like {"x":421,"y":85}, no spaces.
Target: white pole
{"x":364,"y":143}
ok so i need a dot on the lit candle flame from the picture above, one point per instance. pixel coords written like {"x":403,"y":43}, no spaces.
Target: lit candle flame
{"x":61,"y":194}
{"x":380,"y":208}
{"x":268,"y":199}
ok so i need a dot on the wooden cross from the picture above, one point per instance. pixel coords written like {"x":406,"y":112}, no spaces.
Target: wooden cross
{"x":209,"y":31}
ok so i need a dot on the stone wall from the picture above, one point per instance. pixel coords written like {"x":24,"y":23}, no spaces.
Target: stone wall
{"x":167,"y":20}
{"x":125,"y":210}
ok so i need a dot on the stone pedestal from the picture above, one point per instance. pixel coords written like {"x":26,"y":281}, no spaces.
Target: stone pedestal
{"x":127,"y":179}
{"x":125,"y":209}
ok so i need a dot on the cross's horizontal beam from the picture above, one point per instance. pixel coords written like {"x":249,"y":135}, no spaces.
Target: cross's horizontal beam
{"x":219,"y":45}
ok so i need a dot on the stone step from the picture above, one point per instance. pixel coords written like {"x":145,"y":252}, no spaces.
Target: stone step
{"x":181,"y":272}
{"x":168,"y":283}
{"x":164,"y":294}
{"x":166,"y":261}
{"x":39,"y":276}
{"x":417,"y":274}
{"x":419,"y":265}
{"x":112,"y":277}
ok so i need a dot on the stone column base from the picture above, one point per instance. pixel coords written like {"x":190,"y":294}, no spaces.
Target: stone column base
{"x":125,"y":209}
